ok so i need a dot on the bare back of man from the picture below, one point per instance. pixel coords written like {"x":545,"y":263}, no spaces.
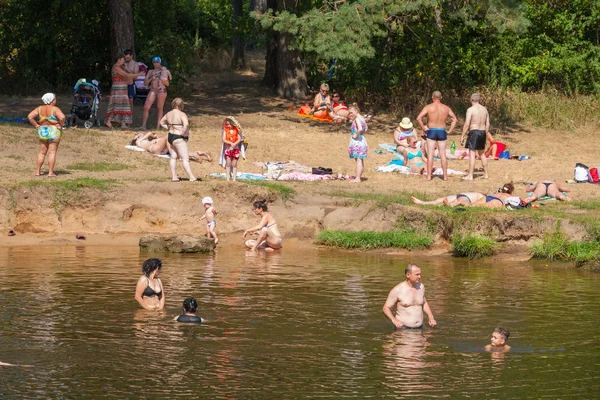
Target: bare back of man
{"x":477,"y":124}
{"x":437,"y":115}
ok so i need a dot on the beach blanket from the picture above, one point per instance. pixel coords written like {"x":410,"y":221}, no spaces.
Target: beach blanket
{"x":406,"y":170}
{"x":306,"y":112}
{"x":135,"y":148}
{"x":242,"y":176}
{"x":458,"y":154}
{"x":544,"y":198}
{"x":24,"y":120}
{"x":300,"y":176}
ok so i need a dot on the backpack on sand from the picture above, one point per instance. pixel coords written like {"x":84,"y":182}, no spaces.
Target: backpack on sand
{"x":593,"y":175}
{"x":581,"y":173}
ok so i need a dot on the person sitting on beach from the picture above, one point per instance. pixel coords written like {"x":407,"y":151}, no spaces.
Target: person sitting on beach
{"x":322,"y":102}
{"x":190,"y":308}
{"x":149,"y":291}
{"x":498,"y":340}
{"x":339,"y":111}
{"x":547,"y":188}
{"x":209,"y":216}
{"x":269,"y":237}
{"x":496,"y":148}
{"x":413,"y":157}
{"x":497,"y":200}
{"x":454,"y":200}
{"x":159,"y":145}
{"x":402,"y":133}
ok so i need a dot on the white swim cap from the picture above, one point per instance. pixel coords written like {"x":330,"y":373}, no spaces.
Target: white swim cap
{"x":48,"y":98}
{"x":207,"y":200}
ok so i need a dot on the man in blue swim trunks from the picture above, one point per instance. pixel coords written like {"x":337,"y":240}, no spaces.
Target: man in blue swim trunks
{"x":437,"y":114}
{"x":409,"y":299}
{"x":131,"y":67}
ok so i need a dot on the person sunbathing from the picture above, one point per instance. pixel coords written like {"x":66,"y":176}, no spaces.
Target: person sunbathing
{"x":497,"y":200}
{"x":322,"y":102}
{"x":413,"y":157}
{"x":402,"y":133}
{"x":339,"y":111}
{"x":460,"y":199}
{"x":547,"y":188}
{"x":159,"y":145}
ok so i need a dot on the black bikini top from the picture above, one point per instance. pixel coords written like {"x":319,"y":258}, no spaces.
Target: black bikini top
{"x":149,"y":292}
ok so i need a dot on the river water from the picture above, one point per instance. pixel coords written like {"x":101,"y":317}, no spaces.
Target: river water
{"x":295,"y":324}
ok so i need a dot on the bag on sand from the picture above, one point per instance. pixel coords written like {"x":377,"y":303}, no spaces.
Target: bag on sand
{"x":274,"y":171}
{"x":515,"y":203}
{"x":593,"y":175}
{"x":581,"y":173}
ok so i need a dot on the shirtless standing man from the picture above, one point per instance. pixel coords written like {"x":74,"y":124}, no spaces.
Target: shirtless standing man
{"x":131,"y":67}
{"x":437,"y":114}
{"x":477,"y":124}
{"x":410,"y":302}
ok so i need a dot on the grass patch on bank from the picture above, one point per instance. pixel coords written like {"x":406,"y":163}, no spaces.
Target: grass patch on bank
{"x":402,"y":239}
{"x":74,"y":184}
{"x":286,"y":193}
{"x":381,"y":199}
{"x":98,"y":167}
{"x":555,"y":246}
{"x":473,"y":246}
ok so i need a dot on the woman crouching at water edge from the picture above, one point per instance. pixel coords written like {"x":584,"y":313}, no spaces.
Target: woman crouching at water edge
{"x":149,"y":291}
{"x":48,"y":120}
{"x":269,"y":237}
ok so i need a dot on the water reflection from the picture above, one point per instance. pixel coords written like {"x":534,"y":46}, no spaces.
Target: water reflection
{"x":290,"y":324}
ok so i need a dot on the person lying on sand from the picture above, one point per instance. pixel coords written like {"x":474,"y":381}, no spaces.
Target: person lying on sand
{"x":159,"y":145}
{"x":547,"y":188}
{"x":460,"y":199}
{"x":497,"y":200}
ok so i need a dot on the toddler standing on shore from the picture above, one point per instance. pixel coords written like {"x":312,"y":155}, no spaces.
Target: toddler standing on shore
{"x":209,"y":215}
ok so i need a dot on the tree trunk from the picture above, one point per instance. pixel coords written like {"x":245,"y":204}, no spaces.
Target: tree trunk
{"x":259,"y":6}
{"x":121,"y":26}
{"x":284,"y":70}
{"x":238,"y":59}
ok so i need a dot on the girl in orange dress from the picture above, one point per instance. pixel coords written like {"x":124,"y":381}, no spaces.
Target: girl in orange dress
{"x":232,"y":148}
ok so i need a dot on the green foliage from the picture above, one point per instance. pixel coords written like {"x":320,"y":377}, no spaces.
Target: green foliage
{"x":556,"y":246}
{"x":403,"y":239}
{"x":98,"y":167}
{"x":286,"y":193}
{"x":472,"y":246}
{"x":74,"y":184}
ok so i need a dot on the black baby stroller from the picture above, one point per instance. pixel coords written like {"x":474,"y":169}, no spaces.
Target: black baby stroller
{"x":85,"y":105}
{"x":141,"y":90}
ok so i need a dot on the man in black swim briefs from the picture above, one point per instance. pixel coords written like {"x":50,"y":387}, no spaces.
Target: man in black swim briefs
{"x":477,"y":124}
{"x":437,"y":114}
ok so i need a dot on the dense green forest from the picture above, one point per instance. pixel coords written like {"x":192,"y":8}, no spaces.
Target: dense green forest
{"x":380,"y":50}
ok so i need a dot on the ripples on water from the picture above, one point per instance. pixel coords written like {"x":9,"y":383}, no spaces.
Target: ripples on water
{"x":290,"y":325}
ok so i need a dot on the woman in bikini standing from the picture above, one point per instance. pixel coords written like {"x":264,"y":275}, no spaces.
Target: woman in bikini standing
{"x":269,"y":237}
{"x":176,"y":121}
{"x":149,"y":291}
{"x":547,"y":188}
{"x":48,"y":120}
{"x":158,"y":79}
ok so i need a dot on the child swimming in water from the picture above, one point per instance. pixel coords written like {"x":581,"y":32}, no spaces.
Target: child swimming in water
{"x":190,"y":308}
{"x":498,"y":341}
{"x":209,"y":215}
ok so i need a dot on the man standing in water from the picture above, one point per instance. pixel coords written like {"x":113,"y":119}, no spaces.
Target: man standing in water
{"x":131,"y":67}
{"x":410,"y":302}
{"x":437,"y":114}
{"x":477,"y":124}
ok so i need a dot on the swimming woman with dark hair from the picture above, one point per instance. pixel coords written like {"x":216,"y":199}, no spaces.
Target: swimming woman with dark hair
{"x":190,"y":308}
{"x":149,"y":291}
{"x":269,"y":237}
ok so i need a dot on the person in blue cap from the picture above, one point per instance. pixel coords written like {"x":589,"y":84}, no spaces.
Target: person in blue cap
{"x":158,"y":81}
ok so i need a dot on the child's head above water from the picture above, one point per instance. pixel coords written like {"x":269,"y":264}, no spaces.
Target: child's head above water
{"x":190,"y":305}
{"x":499,"y":337}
